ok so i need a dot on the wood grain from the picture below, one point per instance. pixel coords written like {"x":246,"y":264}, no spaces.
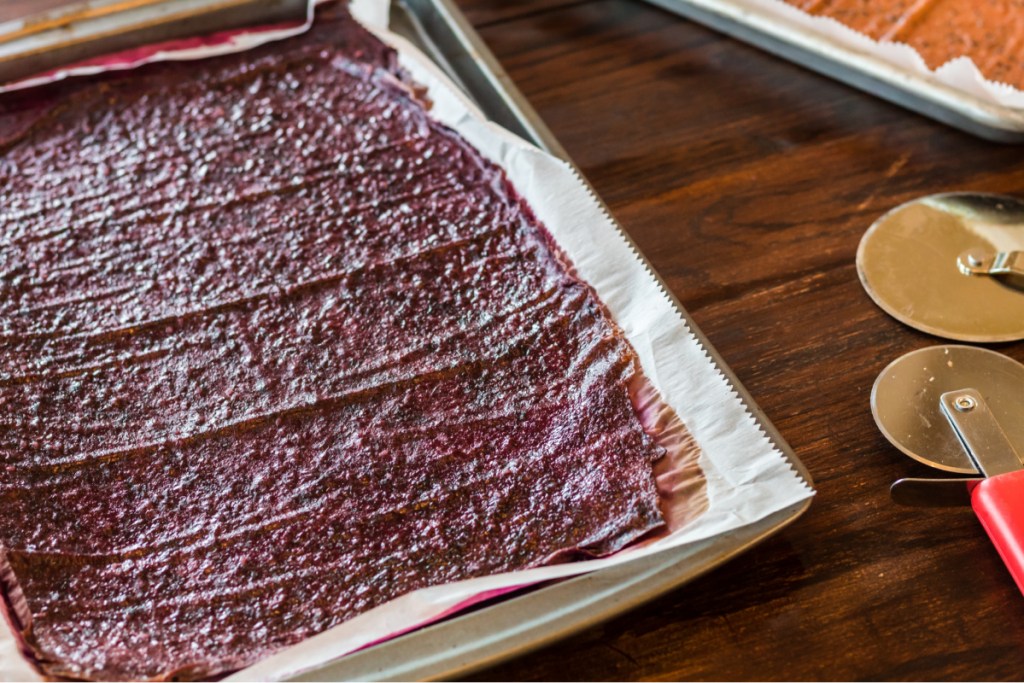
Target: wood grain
{"x":748,"y":183}
{"x":484,"y":12}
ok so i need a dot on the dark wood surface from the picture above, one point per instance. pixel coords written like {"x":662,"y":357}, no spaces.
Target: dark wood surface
{"x":748,"y":183}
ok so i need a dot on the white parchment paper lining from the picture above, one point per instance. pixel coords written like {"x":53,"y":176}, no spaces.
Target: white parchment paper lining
{"x":747,"y":477}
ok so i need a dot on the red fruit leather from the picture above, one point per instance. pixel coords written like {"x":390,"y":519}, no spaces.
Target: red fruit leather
{"x":999,"y":504}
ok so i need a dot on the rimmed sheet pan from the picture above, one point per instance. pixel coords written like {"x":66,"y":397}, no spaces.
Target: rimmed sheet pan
{"x":925,"y":95}
{"x":517,"y":624}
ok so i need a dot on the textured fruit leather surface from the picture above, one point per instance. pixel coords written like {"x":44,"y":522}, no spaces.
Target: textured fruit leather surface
{"x":283,"y":348}
{"x":987,"y":32}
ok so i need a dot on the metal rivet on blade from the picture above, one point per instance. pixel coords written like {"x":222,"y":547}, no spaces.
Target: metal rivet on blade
{"x":964,"y":403}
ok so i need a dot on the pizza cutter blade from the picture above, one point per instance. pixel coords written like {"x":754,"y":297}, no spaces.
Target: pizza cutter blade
{"x":951,"y":265}
{"x":961,"y":409}
{"x":906,"y":406}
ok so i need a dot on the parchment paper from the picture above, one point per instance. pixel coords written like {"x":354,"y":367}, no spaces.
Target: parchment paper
{"x":747,"y":478}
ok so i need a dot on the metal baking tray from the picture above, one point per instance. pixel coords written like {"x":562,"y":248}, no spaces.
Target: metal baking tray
{"x":516,"y":625}
{"x":876,"y":76}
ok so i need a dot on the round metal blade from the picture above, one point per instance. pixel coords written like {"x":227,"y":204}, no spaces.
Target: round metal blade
{"x":907,"y":262}
{"x":905,"y":401}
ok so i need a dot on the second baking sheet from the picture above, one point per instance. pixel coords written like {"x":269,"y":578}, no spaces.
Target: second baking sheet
{"x":956,"y":94}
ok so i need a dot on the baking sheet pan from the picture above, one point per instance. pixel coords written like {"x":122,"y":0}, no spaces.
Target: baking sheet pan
{"x":541,"y":615}
{"x":517,"y":625}
{"x":866,"y":72}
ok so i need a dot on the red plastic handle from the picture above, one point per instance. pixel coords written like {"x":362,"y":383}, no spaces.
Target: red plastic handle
{"x":999,"y":503}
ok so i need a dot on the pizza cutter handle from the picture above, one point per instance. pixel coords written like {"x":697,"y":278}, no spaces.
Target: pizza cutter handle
{"x":999,"y":503}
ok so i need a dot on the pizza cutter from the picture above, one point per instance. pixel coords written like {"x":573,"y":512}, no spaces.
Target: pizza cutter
{"x":960,"y":409}
{"x":951,"y":265}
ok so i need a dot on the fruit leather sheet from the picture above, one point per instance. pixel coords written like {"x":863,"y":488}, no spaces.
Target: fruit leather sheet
{"x":986,"y":31}
{"x":687,"y":408}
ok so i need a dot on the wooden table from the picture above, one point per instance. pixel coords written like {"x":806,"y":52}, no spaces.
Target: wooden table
{"x":748,"y":183}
